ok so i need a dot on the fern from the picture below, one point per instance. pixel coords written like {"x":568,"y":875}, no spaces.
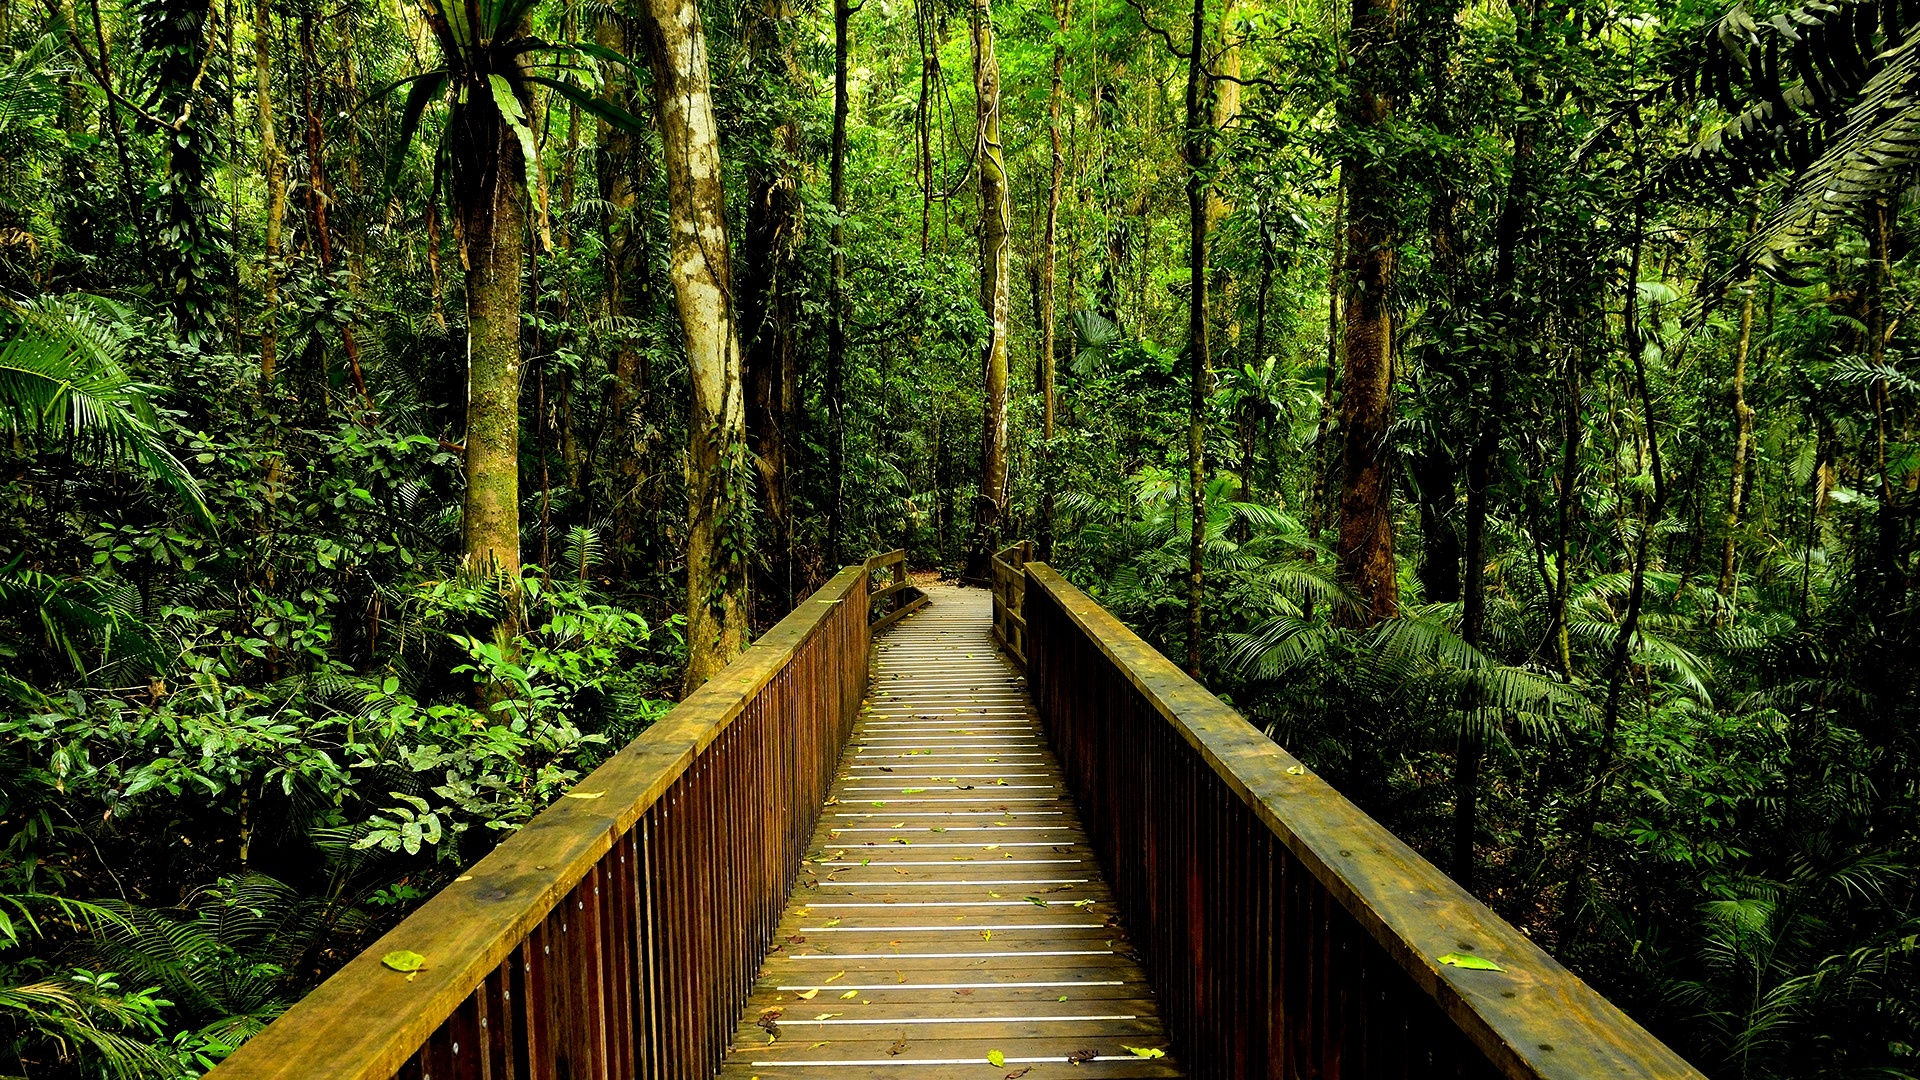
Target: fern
{"x":61,"y":381}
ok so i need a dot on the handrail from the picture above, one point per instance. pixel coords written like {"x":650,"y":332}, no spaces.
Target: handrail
{"x":1287,"y":932}
{"x":620,"y":930}
{"x":908,"y":598}
{"x":1009,"y":583}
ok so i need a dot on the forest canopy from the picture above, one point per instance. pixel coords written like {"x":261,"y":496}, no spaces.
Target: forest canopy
{"x":1509,"y":406}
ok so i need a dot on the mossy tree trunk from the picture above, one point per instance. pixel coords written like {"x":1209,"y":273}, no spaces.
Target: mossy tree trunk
{"x":490,"y":211}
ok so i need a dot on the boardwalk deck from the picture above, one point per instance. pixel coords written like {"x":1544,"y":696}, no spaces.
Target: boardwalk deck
{"x":950,"y":906}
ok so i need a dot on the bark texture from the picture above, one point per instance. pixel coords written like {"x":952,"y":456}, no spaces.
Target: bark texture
{"x":837,"y":291}
{"x":995,"y":299}
{"x":1365,"y":544}
{"x":490,"y":210}
{"x":1056,"y":179}
{"x":717,"y":540}
{"x":1197,"y":146}
{"x":770,"y":312}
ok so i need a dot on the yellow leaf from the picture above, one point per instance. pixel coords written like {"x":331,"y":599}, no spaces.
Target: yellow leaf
{"x":1144,"y":1051}
{"x":585,"y":794}
{"x":996,"y":1059}
{"x":404,"y":960}
{"x":849,"y":994}
{"x":807,"y":995}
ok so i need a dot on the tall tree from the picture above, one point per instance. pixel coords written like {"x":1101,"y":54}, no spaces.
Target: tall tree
{"x":995,"y":298}
{"x":1197,"y":145}
{"x":1049,"y":261}
{"x":489,"y":147}
{"x":837,"y":290}
{"x":718,"y":534}
{"x":273,"y":166}
{"x":1365,"y":544}
{"x":770,"y":299}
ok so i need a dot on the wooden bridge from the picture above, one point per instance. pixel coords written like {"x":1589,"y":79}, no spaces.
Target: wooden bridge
{"x":953,"y":833}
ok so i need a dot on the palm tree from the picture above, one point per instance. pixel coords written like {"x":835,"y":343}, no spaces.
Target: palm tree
{"x":489,"y":154}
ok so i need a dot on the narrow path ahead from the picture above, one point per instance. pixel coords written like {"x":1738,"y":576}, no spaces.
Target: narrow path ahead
{"x":950,"y":907}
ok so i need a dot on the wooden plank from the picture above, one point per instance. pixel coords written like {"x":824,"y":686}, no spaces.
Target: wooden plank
{"x":948,"y":868}
{"x":1534,"y":1019}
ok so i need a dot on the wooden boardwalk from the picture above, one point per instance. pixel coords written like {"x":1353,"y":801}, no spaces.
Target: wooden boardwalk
{"x":950,"y":907}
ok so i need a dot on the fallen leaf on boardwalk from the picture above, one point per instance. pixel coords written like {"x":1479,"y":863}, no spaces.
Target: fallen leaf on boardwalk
{"x":1034,"y":900}
{"x":912,"y":790}
{"x":963,"y":993}
{"x":585,"y":794}
{"x":1020,"y":1072}
{"x":796,"y":939}
{"x":1144,"y":1051}
{"x":807,"y":995}
{"x":770,"y":1023}
{"x":899,"y":1047}
{"x":1079,"y":1056}
{"x":818,"y":1045}
{"x":826,"y":1016}
{"x":833,"y":922}
{"x":1470,"y":962}
{"x":1062,"y":997}
{"x":986,"y":935}
{"x":404,"y":960}
{"x":996,"y":1058}
{"x":836,"y":975}
{"x":850,"y":994}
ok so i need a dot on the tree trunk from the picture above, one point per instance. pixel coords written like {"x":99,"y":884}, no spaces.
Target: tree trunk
{"x":1321,"y":481}
{"x":1056,"y":95}
{"x":1742,"y":442}
{"x":995,"y":293}
{"x":273,"y":166}
{"x":1365,"y":544}
{"x":489,"y":205}
{"x":718,"y":542}
{"x":1196,"y":145}
{"x":769,"y":312}
{"x":837,"y":292}
{"x":623,"y":245}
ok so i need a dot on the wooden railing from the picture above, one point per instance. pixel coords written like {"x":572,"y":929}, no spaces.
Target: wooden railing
{"x":618,"y":933}
{"x":901,"y":594}
{"x":1009,"y":582}
{"x":1287,"y":933}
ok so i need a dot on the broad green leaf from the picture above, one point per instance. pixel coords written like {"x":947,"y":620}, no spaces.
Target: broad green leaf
{"x":996,"y":1059}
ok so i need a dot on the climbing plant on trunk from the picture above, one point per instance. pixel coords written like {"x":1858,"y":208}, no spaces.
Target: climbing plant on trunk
{"x":995,"y":296}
